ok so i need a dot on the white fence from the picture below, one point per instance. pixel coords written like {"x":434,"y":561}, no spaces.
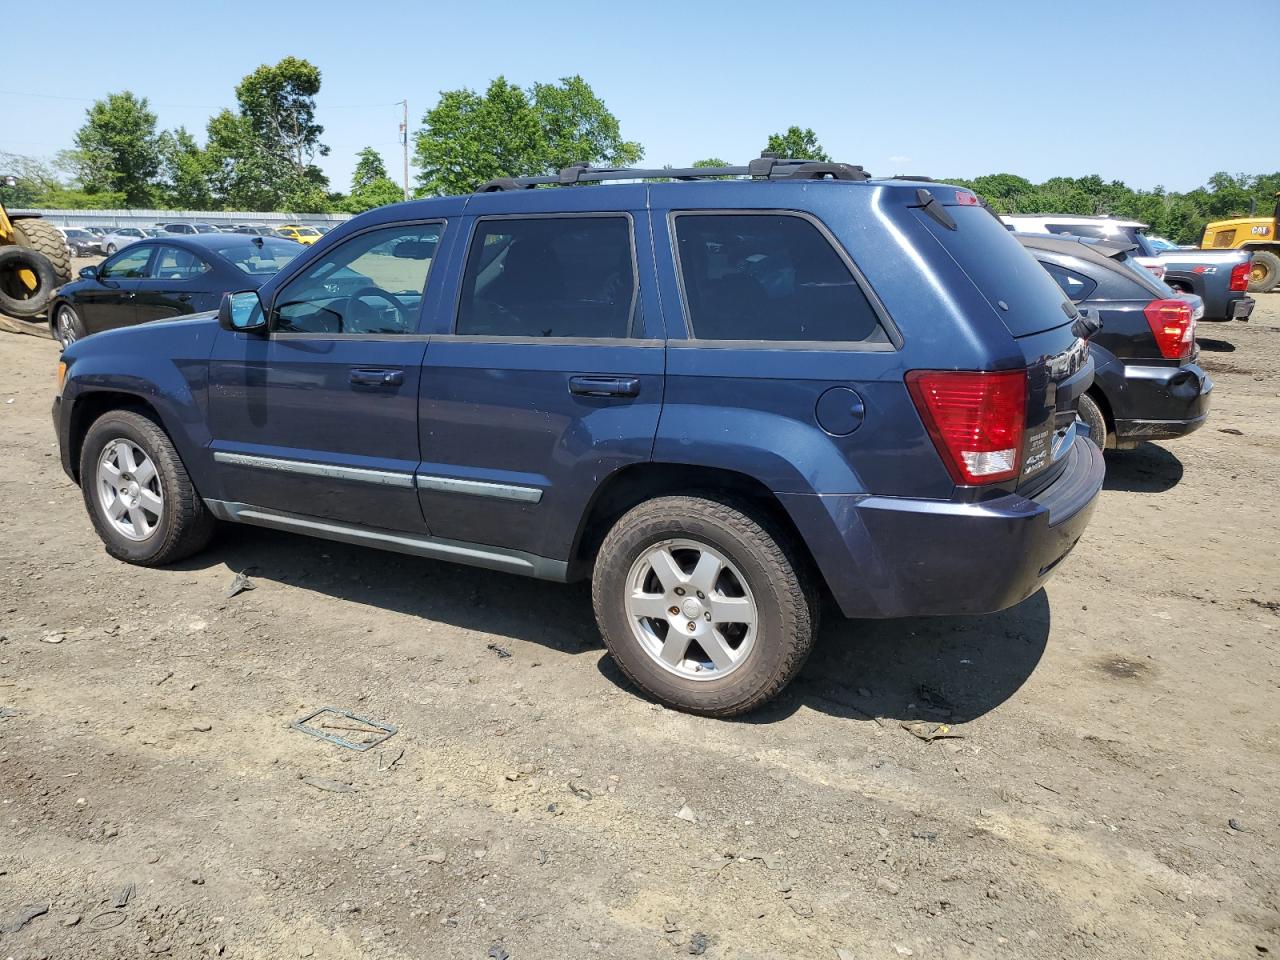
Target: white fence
{"x":149,"y":218}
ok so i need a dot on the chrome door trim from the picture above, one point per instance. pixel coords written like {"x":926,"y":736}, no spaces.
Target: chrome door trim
{"x":480,"y":488}
{"x":309,"y":468}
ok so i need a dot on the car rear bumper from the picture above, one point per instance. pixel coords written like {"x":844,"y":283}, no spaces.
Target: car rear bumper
{"x":1160,"y":403}
{"x":897,"y":557}
{"x":1242,"y":308}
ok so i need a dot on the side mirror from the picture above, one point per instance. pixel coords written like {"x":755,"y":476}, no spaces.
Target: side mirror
{"x":88,"y":273}
{"x":242,"y":312}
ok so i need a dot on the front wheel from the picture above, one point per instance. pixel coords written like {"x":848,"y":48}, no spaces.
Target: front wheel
{"x":138,"y":493}
{"x":704,"y":604}
{"x":111,"y":249}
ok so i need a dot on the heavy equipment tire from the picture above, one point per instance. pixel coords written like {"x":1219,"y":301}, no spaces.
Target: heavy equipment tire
{"x":1266,"y":269}
{"x":15,"y":299}
{"x":734,"y":604}
{"x":43,"y":237}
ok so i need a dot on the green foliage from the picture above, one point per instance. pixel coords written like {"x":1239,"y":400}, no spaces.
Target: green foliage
{"x":1180,"y":217}
{"x":797,"y":144}
{"x":370,"y":185}
{"x":469,"y":138}
{"x":118,"y":149}
{"x":185,"y":172}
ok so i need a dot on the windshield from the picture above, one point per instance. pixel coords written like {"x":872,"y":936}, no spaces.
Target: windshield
{"x":259,"y":259}
{"x":307,"y":231}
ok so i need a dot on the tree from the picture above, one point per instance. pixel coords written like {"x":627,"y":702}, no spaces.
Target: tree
{"x":469,"y":138}
{"x":370,"y":185}
{"x":185,"y":172}
{"x":796,"y":144}
{"x":280,"y":107}
{"x":118,"y":150}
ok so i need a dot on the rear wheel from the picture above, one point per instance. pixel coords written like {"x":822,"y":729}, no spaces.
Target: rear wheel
{"x":43,"y":237}
{"x":1091,"y":413}
{"x":67,"y":325}
{"x":703,"y":604}
{"x":1264,"y":271}
{"x":138,"y":493}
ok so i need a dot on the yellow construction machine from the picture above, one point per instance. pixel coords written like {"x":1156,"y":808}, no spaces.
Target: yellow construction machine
{"x":34,"y":261}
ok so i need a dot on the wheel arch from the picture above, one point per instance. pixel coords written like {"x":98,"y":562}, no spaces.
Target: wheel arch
{"x":639,"y":482}
{"x":91,"y":406}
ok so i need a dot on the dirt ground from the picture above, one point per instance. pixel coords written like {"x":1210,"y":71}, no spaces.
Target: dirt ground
{"x":1111,"y":791}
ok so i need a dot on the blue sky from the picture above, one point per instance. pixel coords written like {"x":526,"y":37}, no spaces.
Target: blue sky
{"x":944,"y":89}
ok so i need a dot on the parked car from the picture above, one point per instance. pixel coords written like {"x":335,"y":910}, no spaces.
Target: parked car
{"x":82,"y":243}
{"x":255,"y":231}
{"x":714,"y":398}
{"x":154,"y":279}
{"x":1219,"y":277}
{"x":99,"y":231}
{"x":1147,"y":384}
{"x":298,"y":232}
{"x":187,"y":229}
{"x":122,"y":237}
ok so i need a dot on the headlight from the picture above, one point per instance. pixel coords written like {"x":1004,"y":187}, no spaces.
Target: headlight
{"x":62,"y":375}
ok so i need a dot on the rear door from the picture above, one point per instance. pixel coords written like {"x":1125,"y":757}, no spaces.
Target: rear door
{"x":110,"y":301}
{"x":173,"y":285}
{"x":320,"y":416}
{"x":549,"y":375}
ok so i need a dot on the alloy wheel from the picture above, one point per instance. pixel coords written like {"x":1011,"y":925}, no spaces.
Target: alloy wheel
{"x":129,"y":489}
{"x":67,"y":325}
{"x":690,"y":609}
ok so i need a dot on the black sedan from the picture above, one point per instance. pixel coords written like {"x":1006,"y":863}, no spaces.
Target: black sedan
{"x":165,"y":278}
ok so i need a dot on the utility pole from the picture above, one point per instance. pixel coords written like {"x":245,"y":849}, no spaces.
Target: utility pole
{"x":404,"y":144}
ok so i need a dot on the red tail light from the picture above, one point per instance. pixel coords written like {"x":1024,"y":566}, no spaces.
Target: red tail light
{"x":976,"y":420}
{"x":1173,"y":325}
{"x":1240,"y":277}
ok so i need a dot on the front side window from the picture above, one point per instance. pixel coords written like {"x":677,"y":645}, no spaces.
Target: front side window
{"x":370,"y":284}
{"x":549,"y":277}
{"x":129,"y":265}
{"x":173,"y":263}
{"x":768,"y":276}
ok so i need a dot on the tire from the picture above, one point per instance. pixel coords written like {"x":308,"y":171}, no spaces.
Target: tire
{"x":111,"y":249}
{"x":182,"y":525}
{"x":1091,"y":413}
{"x":762,"y":575}
{"x":67,"y":325}
{"x":1266,"y":268}
{"x":43,"y":237}
{"x":15,"y":299}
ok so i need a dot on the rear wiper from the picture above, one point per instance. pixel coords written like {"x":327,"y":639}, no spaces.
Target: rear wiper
{"x":930,"y":205}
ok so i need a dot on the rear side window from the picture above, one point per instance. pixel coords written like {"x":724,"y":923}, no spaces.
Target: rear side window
{"x":549,"y":277}
{"x":769,"y":276}
{"x":173,"y":263}
{"x":1076,"y":286}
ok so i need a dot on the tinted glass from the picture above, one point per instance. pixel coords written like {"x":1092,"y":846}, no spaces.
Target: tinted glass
{"x":370,"y":284}
{"x":549,"y":277}
{"x":769,"y":277}
{"x":128,"y":265}
{"x":1076,"y":286}
{"x":1012,"y":281}
{"x":260,"y":259}
{"x":175,"y":264}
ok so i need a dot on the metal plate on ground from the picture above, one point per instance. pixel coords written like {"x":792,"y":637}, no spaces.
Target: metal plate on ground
{"x":335,"y":718}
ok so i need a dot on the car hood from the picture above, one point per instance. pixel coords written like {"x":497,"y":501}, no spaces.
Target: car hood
{"x":162,"y":338}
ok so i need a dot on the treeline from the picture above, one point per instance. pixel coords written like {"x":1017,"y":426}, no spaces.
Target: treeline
{"x":261,"y":156}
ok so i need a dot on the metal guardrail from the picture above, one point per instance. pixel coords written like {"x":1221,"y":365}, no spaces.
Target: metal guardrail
{"x":149,"y":218}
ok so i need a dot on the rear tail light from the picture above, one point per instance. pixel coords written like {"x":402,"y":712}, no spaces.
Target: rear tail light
{"x":976,"y":420}
{"x":1173,"y":325}
{"x":1240,"y":277}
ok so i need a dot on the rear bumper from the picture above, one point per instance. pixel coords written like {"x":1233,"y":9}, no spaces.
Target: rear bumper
{"x":1242,"y":308}
{"x":1160,"y":403}
{"x":890,"y":557}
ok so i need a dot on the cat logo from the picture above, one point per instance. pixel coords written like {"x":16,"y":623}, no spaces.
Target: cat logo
{"x":1261,"y":230}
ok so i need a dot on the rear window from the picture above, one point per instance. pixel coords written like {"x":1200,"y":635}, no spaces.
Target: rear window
{"x":772,"y":277}
{"x":260,"y":259}
{"x":1106,"y":231}
{"x":1013,"y":282}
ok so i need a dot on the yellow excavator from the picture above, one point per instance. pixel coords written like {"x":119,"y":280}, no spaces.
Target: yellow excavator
{"x":34,"y":261}
{"x":1255,"y":234}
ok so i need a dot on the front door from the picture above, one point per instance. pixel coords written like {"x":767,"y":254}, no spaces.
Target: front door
{"x":319,"y":417}
{"x":110,"y":301}
{"x":549,"y":377}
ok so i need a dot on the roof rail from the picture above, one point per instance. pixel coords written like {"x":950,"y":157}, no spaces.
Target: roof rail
{"x":767,"y":167}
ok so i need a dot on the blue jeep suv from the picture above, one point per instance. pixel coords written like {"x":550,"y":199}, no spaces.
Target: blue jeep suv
{"x":717,"y":398}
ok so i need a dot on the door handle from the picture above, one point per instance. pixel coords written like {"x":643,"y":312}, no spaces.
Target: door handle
{"x":377,"y":378}
{"x":604,"y":386}
{"x":184,"y":298}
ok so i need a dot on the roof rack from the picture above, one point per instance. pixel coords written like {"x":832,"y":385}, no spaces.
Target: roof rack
{"x":768,"y":167}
